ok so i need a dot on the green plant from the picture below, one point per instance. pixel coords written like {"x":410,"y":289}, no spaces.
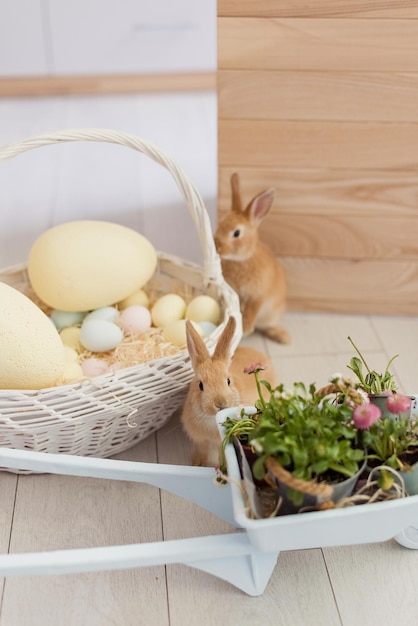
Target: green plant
{"x":308,"y":434}
{"x":372,"y":382}
{"x":388,"y":439}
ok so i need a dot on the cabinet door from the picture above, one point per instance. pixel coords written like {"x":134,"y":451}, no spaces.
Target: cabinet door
{"x":22,"y":44}
{"x":133,"y":36}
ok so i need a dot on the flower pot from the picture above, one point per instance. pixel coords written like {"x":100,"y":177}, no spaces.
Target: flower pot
{"x":244,"y":450}
{"x":380,"y":401}
{"x":314,"y":493}
{"x":411,"y":478}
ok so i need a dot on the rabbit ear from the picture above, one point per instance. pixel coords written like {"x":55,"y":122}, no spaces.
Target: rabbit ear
{"x":236,"y":194}
{"x":223,"y":347}
{"x":260,"y":206}
{"x":196,"y":346}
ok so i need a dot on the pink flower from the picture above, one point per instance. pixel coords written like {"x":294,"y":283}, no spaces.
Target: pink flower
{"x":365,"y":415}
{"x":254,"y":367}
{"x":396,"y":403}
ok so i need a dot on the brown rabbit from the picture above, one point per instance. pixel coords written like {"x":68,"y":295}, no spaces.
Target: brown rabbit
{"x":219,"y":382}
{"x":250,"y":267}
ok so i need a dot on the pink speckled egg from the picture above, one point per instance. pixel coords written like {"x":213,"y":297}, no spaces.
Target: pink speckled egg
{"x":94,"y":367}
{"x":135,"y":319}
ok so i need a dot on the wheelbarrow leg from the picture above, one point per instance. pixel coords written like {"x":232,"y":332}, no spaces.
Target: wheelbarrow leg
{"x":229,"y":557}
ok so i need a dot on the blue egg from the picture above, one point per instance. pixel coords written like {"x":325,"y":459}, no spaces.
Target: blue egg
{"x":207,"y":327}
{"x":62,"y":319}
{"x":107,"y":313}
{"x":100,"y":335}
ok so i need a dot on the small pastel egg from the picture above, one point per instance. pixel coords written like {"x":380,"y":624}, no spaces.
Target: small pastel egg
{"x":71,"y":337}
{"x":175,"y":332}
{"x":94,"y":367}
{"x":108,"y":313}
{"x":100,"y":335}
{"x":135,"y":319}
{"x":203,"y":309}
{"x":168,"y":308}
{"x":207,"y":328}
{"x":63,"y":319}
{"x":71,"y":355}
{"x":72,"y":372}
{"x":137,"y":297}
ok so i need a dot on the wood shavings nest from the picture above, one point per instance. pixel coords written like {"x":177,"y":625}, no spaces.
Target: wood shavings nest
{"x":134,"y":349}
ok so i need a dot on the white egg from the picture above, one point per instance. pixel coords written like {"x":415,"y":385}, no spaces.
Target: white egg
{"x":168,"y":308}
{"x":63,"y":319}
{"x":135,"y":319}
{"x":203,"y":309}
{"x":207,"y":328}
{"x":175,"y":332}
{"x":100,"y":335}
{"x":108,"y":313}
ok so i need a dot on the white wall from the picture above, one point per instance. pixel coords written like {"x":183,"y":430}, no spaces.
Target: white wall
{"x":53,"y":184}
{"x":61,"y":37}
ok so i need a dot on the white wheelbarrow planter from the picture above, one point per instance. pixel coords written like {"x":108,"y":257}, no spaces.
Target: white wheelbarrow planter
{"x":246,"y":558}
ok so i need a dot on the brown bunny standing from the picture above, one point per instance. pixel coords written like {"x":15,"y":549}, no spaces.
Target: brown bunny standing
{"x":219,"y":382}
{"x":250,"y":267}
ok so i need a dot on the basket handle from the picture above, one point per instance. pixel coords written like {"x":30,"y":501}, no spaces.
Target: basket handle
{"x":211,"y":262}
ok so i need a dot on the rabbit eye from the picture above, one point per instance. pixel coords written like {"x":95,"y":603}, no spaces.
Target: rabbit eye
{"x":200,"y":385}
{"x":228,"y":381}
{"x":236,"y":233}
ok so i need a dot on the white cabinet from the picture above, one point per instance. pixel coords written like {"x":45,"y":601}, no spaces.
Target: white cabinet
{"x":76,"y":37}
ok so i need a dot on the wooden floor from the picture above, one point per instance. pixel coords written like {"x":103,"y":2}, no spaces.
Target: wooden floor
{"x":367,"y":585}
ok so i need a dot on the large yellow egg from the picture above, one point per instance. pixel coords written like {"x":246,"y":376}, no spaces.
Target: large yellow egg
{"x":85,"y":265}
{"x":31,"y":351}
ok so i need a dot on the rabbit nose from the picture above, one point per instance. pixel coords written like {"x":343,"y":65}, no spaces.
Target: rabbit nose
{"x":220,"y":403}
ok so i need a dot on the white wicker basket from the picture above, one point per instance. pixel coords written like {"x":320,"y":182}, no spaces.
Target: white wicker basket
{"x":111,"y":413}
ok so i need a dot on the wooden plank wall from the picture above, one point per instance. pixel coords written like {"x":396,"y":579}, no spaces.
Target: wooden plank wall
{"x":320,"y":100}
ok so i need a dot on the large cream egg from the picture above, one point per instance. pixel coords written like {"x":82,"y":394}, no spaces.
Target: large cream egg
{"x":85,"y":265}
{"x":31,"y":351}
{"x":168,"y":308}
